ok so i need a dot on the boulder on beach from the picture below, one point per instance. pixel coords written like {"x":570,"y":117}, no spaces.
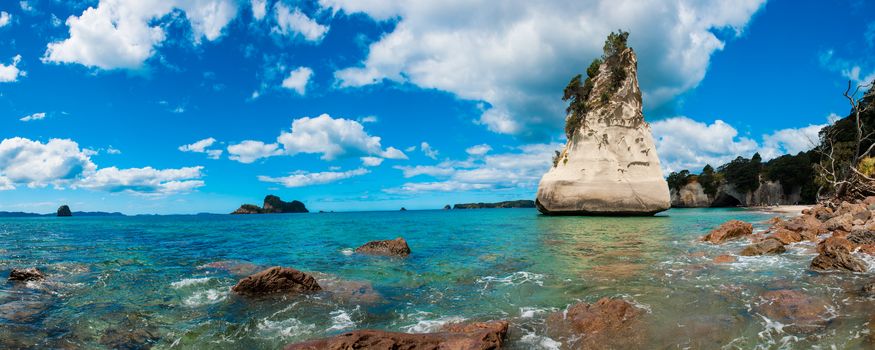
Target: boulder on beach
{"x":729,"y":230}
{"x":835,"y":255}
{"x":766,"y":246}
{"x":64,"y":210}
{"x":465,"y":336}
{"x":608,"y":323}
{"x":393,"y":247}
{"x":609,"y":165}
{"x":276,"y":280}
{"x":800,"y":312}
{"x":27,"y":274}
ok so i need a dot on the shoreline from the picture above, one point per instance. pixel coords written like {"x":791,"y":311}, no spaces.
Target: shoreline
{"x":794,"y":210}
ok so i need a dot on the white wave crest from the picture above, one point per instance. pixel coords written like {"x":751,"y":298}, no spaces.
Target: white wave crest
{"x":206,"y":297}
{"x":517,"y":278}
{"x":189,"y":282}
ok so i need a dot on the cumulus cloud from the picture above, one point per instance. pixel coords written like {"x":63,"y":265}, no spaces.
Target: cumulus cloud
{"x":5,"y":19}
{"x":521,"y":168}
{"x":147,"y":181}
{"x":428,"y":151}
{"x":516,"y":55}
{"x":35,"y":116}
{"x":683,"y":143}
{"x":259,"y":9}
{"x":478,"y":150}
{"x":203,"y":146}
{"x":302,"y":178}
{"x":10,"y":73}
{"x":249,"y":151}
{"x":371,"y":161}
{"x":333,"y":138}
{"x":123,"y":34}
{"x":298,"y":80}
{"x":295,"y":22}
{"x":62,"y":163}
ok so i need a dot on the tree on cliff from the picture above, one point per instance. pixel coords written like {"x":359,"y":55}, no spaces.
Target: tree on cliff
{"x":847,"y":147}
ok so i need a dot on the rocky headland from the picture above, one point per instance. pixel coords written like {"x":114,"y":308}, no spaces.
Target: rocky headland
{"x":64,"y":210}
{"x":524,"y":203}
{"x":272,"y":205}
{"x":609,"y":165}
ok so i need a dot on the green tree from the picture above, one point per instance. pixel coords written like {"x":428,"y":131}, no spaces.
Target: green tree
{"x":708,"y":180}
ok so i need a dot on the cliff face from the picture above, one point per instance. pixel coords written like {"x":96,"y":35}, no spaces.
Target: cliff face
{"x":769,"y":193}
{"x":609,"y":165}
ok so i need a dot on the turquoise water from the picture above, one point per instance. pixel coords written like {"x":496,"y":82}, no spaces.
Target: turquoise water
{"x":136,"y":282}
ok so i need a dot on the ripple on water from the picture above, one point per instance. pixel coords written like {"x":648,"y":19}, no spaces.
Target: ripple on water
{"x":517,"y":278}
{"x":427,"y":324}
{"x":287,"y":328}
{"x":187,"y":282}
{"x":206,"y":297}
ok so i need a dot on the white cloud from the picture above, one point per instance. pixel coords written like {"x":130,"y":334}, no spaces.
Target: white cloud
{"x":301,"y":178}
{"x":148,"y":181}
{"x":202,"y":147}
{"x":683,"y":143}
{"x":522,"y":168}
{"x":25,"y":6}
{"x":517,"y":55}
{"x":123,"y":34}
{"x":62,"y":163}
{"x":853,"y":71}
{"x":10,"y":73}
{"x":478,"y":150}
{"x":113,"y":150}
{"x":57,"y":162}
{"x":259,"y":9}
{"x":298,"y":80}
{"x":369,"y":119}
{"x":291,"y":22}
{"x":35,"y":116}
{"x":428,"y":151}
{"x":333,"y":138}
{"x":249,"y":151}
{"x":371,"y":161}
{"x":5,"y":19}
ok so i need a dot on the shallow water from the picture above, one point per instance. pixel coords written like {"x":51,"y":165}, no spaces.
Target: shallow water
{"x":164,"y":281}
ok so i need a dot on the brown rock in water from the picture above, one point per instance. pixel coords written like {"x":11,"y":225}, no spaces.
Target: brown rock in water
{"x":466,"y":336}
{"x":835,"y":254}
{"x":729,"y":230}
{"x":766,"y":246}
{"x":786,"y":236}
{"x":862,"y":237}
{"x":28,"y":274}
{"x":802,"y":313}
{"x":725,"y":259}
{"x":608,"y":323}
{"x":394,"y":247}
{"x":844,"y":222}
{"x":276,"y":280}
{"x":804,"y":223}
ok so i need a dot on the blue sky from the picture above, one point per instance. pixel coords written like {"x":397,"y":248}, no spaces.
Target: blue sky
{"x":189,"y":106}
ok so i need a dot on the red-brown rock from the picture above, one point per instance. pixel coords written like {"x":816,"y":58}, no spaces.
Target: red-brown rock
{"x":835,"y":254}
{"x":766,"y":246}
{"x":394,"y":247}
{"x":466,"y":336}
{"x":786,"y":236}
{"x":844,"y":222}
{"x":608,"y":323}
{"x":729,"y":230}
{"x":802,"y":313}
{"x":28,"y":274}
{"x":725,"y":259}
{"x":276,"y":280}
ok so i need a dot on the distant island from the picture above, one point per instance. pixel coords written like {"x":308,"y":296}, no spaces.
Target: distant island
{"x":523,"y":203}
{"x":63,"y":211}
{"x":272,"y":205}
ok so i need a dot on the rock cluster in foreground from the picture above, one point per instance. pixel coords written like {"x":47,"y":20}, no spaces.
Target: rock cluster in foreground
{"x":609,"y":165}
{"x":272,"y":205}
{"x":459,"y":336}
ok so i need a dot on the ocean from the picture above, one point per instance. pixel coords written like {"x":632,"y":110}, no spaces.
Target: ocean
{"x":164,"y":281}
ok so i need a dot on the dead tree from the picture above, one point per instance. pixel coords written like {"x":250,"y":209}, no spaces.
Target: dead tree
{"x":847,"y":181}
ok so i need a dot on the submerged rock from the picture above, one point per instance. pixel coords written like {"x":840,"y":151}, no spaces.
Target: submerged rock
{"x":609,"y":165}
{"x":725,"y":259}
{"x":608,"y":323}
{"x":393,"y":247}
{"x":729,"y":230}
{"x":64,"y":210}
{"x":799,"y":312}
{"x":465,"y":336}
{"x":766,"y":246}
{"x":276,"y":280}
{"x":28,"y":274}
{"x":835,"y":254}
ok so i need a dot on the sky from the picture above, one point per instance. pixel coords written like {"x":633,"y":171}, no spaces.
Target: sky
{"x":188,"y":106}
